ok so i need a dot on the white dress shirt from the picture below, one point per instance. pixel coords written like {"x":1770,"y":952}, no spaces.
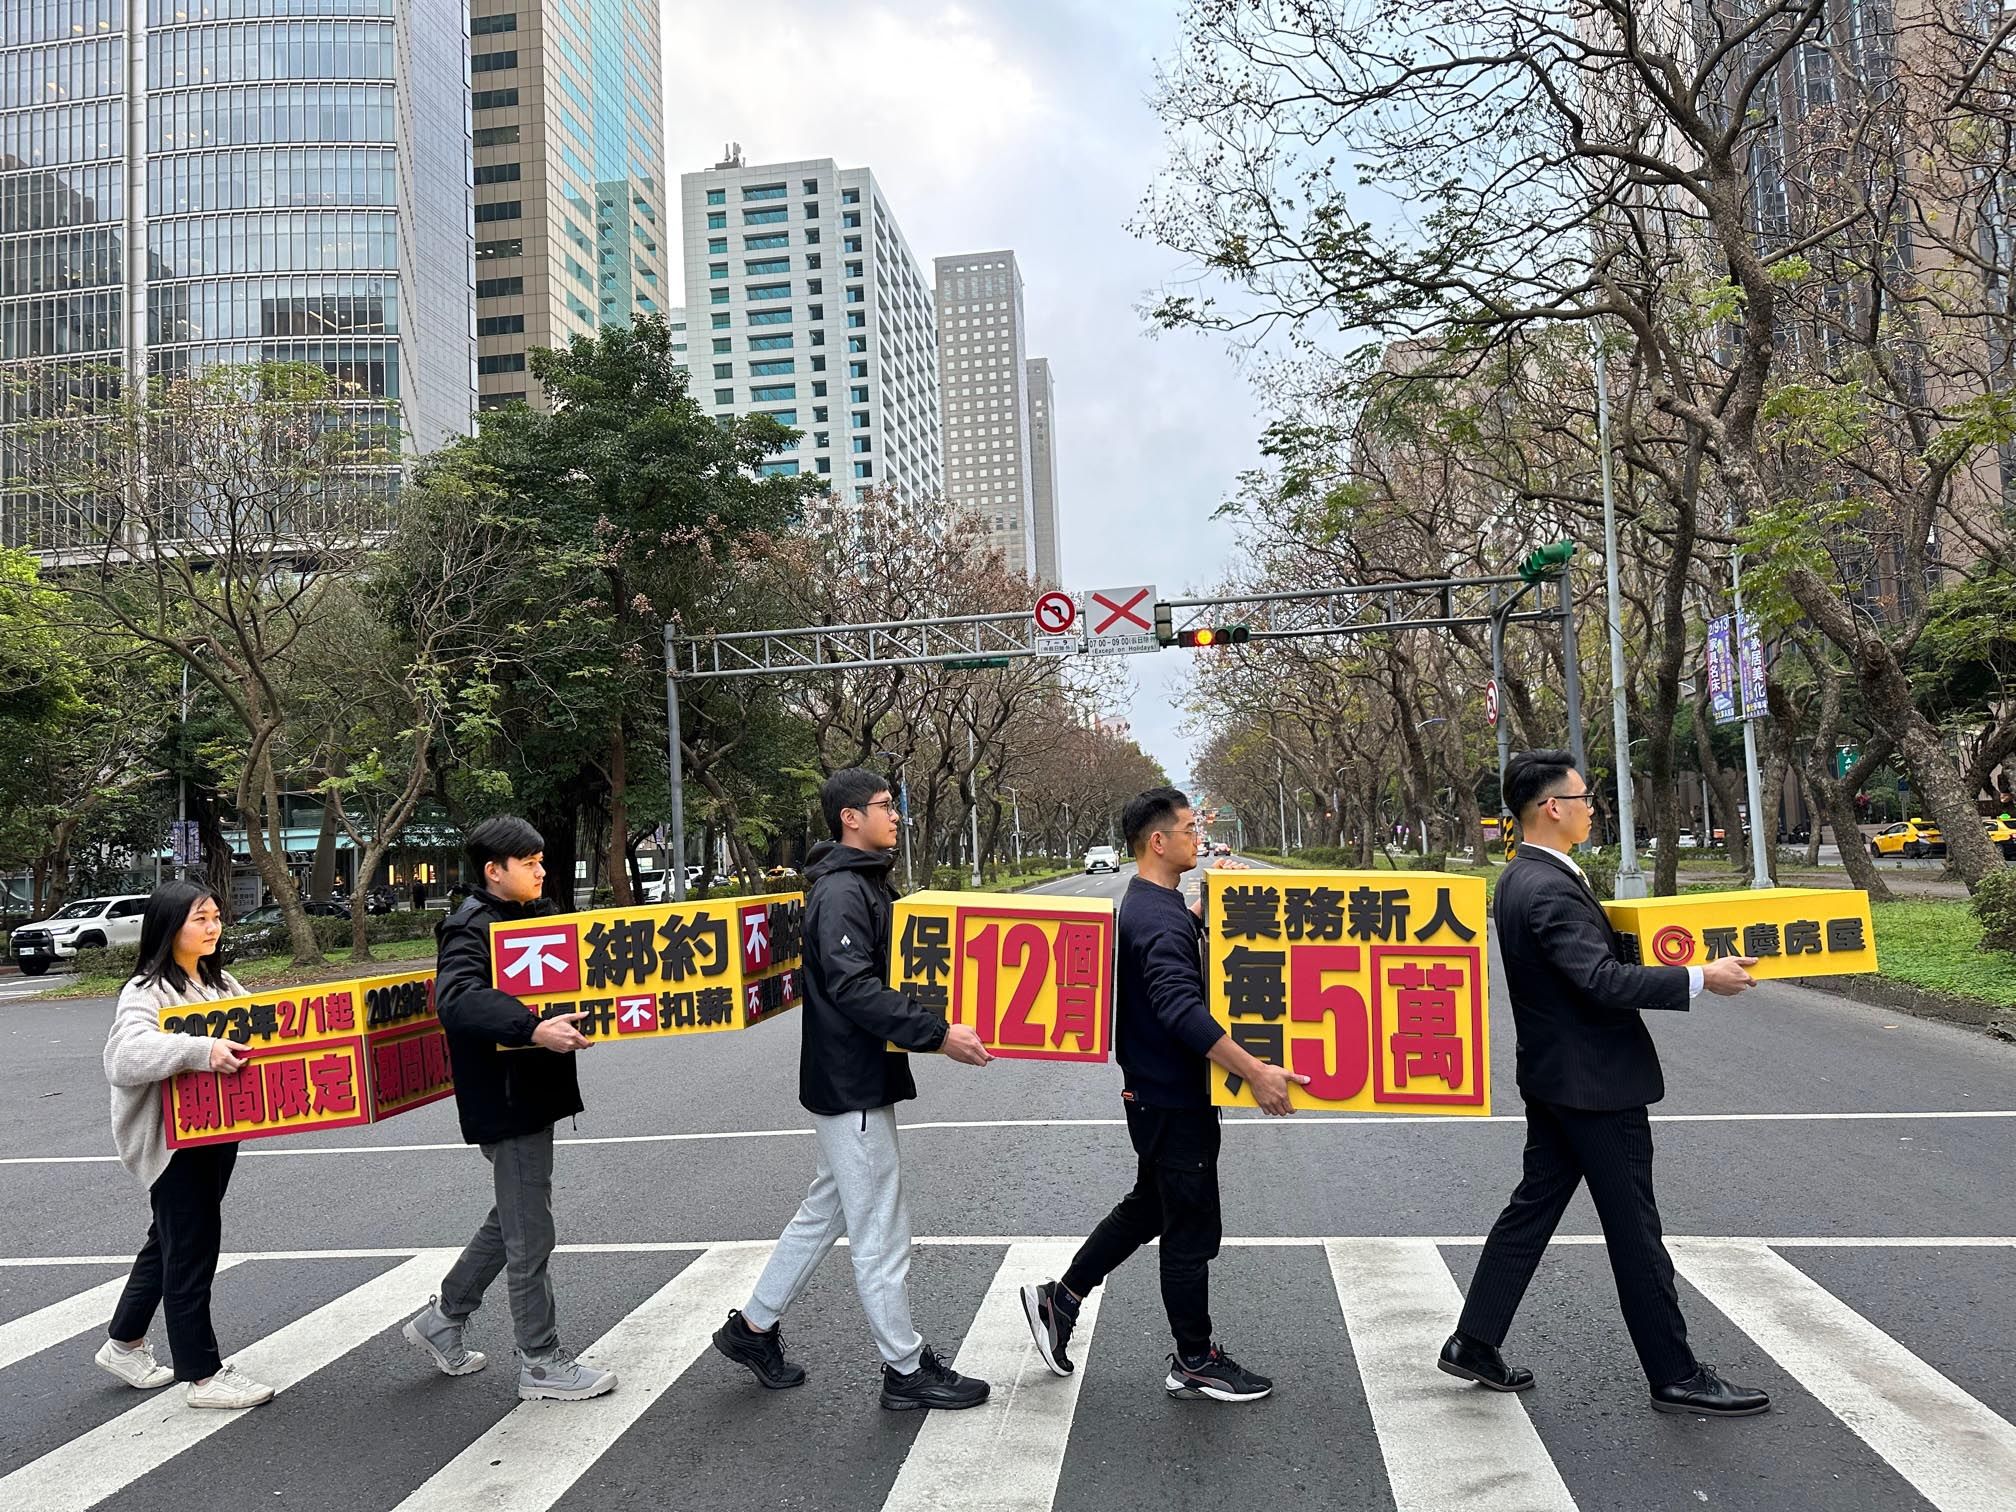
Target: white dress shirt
{"x":1693,"y":972}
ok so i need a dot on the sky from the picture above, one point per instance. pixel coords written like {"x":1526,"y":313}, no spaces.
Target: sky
{"x":1025,"y":126}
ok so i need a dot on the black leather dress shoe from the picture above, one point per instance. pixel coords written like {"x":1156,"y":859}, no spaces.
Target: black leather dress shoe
{"x":1476,"y":1361}
{"x":1706,"y":1394}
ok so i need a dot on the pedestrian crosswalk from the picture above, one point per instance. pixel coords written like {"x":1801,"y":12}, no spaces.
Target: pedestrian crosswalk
{"x":1431,"y":1444}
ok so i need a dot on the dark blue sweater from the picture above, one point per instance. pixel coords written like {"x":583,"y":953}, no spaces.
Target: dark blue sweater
{"x":1165,"y":1028}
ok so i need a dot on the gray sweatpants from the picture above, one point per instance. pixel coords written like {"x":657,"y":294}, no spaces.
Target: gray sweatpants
{"x":517,"y":1235}
{"x":857,"y":1191}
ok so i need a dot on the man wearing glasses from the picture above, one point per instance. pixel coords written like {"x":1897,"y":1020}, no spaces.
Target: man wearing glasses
{"x":1587,"y":1071}
{"x":850,"y":1081}
{"x":1166,"y":1043}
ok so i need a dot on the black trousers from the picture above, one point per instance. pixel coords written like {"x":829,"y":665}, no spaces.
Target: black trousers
{"x":1613,"y":1152}
{"x":179,"y":1260}
{"x":1175,"y":1198}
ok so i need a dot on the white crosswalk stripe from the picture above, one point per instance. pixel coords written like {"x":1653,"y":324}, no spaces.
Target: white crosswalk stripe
{"x":1006,"y":1456}
{"x":1960,"y":1456}
{"x":1399,"y":1304}
{"x":113,"y":1455}
{"x":1445,"y":1446}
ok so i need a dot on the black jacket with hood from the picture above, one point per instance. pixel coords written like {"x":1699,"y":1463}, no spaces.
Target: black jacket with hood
{"x":499,"y":1094}
{"x":851,"y":1014}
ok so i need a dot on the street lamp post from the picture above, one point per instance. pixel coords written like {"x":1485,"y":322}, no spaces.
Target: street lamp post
{"x":1630,"y":880}
{"x":903,"y":803}
{"x":1015,"y":799}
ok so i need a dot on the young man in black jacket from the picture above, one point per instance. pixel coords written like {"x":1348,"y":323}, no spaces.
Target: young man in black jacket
{"x":850,"y":1081}
{"x":1167,"y":1042}
{"x":508,"y":1101}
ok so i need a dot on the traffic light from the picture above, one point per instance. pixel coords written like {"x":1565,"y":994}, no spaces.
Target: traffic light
{"x":1543,"y":561}
{"x":1165,"y":628}
{"x":1214,"y":635}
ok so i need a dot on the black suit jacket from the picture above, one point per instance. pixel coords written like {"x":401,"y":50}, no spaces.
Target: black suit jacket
{"x":1575,"y":1000}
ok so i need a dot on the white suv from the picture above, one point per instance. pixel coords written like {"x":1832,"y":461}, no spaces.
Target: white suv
{"x":87,"y":924}
{"x":1101,"y":858}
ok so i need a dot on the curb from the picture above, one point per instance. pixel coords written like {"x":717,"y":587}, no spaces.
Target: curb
{"x":1919,"y":1002}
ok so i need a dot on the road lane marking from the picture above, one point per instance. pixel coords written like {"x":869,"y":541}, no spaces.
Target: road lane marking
{"x":1300,"y":1121}
{"x":1448,"y":1446}
{"x":1959,"y":1454}
{"x":100,"y":1463}
{"x":535,"y":1454}
{"x":1007,"y":1455}
{"x":51,"y":1325}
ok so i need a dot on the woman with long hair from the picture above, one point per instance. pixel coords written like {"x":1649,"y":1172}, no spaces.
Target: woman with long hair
{"x":179,"y":963}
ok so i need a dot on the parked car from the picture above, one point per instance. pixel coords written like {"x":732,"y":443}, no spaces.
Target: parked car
{"x":1101,"y":858}
{"x":2001,"y":835}
{"x":87,"y":924}
{"x":1912,"y":837}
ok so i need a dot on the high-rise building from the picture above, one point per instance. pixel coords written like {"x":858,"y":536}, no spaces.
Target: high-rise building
{"x":983,"y":392}
{"x":817,"y":313}
{"x":569,"y":116}
{"x":676,"y":319}
{"x":185,"y":183}
{"x":1042,"y":391}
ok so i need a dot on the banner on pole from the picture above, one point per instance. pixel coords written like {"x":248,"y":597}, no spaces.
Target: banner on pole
{"x":1751,"y":668}
{"x":1792,"y":931}
{"x":330,"y":1056}
{"x":1032,"y":975}
{"x":1372,"y":984}
{"x":656,"y":970}
{"x":1721,"y":670}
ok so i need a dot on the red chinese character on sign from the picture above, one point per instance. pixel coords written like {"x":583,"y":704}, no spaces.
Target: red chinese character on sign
{"x":1077,"y":985}
{"x":286,"y":1089}
{"x":538,"y":960}
{"x":242,"y":1099}
{"x":1424,"y":1041}
{"x":412,"y":1075}
{"x":386,"y":1078}
{"x":636,"y":1015}
{"x":196,"y":1110}
{"x":334,"y":1090}
{"x":756,"y":940}
{"x":341,"y":1013}
{"x":434,"y":1061}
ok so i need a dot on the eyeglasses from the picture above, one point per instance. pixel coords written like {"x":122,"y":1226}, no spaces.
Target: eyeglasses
{"x":1582,"y":797}
{"x":1190,"y":830}
{"x":881,"y":803}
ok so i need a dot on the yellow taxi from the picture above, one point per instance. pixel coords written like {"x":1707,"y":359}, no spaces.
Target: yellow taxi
{"x":1911,"y":837}
{"x":2001,"y":835}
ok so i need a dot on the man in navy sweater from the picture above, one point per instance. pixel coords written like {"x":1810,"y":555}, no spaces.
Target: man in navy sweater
{"x":1167,"y":1042}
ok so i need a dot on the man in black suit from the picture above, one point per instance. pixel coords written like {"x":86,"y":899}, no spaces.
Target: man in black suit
{"x":1587,"y":1070}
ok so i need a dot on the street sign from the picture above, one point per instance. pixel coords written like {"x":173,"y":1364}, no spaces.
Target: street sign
{"x":1491,"y":702}
{"x":1057,"y":629}
{"x":1120,"y":621}
{"x":1750,"y":668}
{"x":185,"y":842}
{"x":1721,"y":670}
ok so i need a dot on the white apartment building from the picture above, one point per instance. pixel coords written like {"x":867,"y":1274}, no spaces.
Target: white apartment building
{"x":1042,"y":391}
{"x":804,"y":302}
{"x":983,"y":393}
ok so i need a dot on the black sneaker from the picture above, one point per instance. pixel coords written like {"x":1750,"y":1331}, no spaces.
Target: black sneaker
{"x":932,"y":1384}
{"x":1049,"y":1325}
{"x":763,"y":1353}
{"x":1220,"y":1377}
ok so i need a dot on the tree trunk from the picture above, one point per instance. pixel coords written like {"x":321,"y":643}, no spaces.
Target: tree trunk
{"x":558,"y":823}
{"x":1728,"y":792}
{"x":619,"y":819}
{"x":360,"y":899}
{"x":265,"y":843}
{"x":322,"y":881}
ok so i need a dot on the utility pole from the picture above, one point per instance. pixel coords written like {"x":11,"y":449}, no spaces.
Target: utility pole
{"x":1015,"y":798}
{"x":1630,"y":880}
{"x":903,"y":804}
{"x":1281,"y":792}
{"x":973,"y":809}
{"x":1760,"y":856}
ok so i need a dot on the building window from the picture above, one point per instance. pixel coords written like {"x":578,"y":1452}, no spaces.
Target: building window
{"x":501,"y":210}
{"x":864,"y":469}
{"x":717,"y":196}
{"x":864,"y":443}
{"x":809,"y":186}
{"x":775,"y":368}
{"x":818,"y":364}
{"x":717,"y":220}
{"x":763,"y":192}
{"x":720,"y":320}
{"x":818,"y":338}
{"x":852,"y":244}
{"x":498,"y":401}
{"x":858,"y":419}
{"x":724,"y":370}
{"x":819,"y":390}
{"x":499,"y":288}
{"x":821,"y":438}
{"x":770,"y":317}
{"x":850,"y":196}
{"x":492,"y":62}
{"x":819,"y":417}
{"x":510,"y":247}
{"x":493,"y":99}
{"x":765,"y":217}
{"x":498,"y":173}
{"x":770,"y":343}
{"x":772,"y":393}
{"x":815,"y":312}
{"x":857,"y":370}
{"x":717,"y":296}
{"x":494,"y":136}
{"x":717,"y":244}
{"x":815,"y":286}
{"x":823,"y":464}
{"x":857,"y":343}
{"x":724,"y":396}
{"x":766,"y":241}
{"x":811,"y":210}
{"x":724,"y":344}
{"x":782,"y":417}
{"x":758,"y":266}
{"x":488,"y":26}
{"x":503,"y":362}
{"x":767,"y":291}
{"x":779,"y":469}
{"x":811,"y":236}
{"x":858,"y":394}
{"x":717,"y":270}
{"x":851,"y":221}
{"x":857,"y":320}
{"x":499,"y":325}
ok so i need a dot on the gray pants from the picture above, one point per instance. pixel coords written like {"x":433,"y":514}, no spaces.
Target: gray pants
{"x":517,"y":1235}
{"x":858,"y":1191}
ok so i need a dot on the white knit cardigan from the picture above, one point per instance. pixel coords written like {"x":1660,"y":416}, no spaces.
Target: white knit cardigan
{"x":139,"y":1056}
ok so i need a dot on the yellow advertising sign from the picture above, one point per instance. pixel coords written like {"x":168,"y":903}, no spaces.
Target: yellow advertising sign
{"x":1374,"y":985}
{"x":1032,"y":975}
{"x":1792,"y":931}
{"x":657,"y":970}
{"x":328,"y":1056}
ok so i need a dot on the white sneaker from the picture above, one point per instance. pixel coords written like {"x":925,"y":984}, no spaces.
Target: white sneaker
{"x":230,"y":1388}
{"x":136,"y":1367}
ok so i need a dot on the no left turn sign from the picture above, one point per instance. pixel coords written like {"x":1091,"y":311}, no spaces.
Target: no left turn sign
{"x":1055,"y":613}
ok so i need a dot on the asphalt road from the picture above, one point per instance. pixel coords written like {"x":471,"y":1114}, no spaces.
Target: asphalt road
{"x":1873,"y":1153}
